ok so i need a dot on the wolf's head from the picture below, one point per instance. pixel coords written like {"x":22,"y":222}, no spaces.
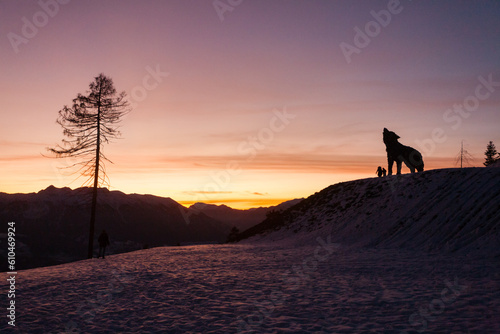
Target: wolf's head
{"x":390,"y":137}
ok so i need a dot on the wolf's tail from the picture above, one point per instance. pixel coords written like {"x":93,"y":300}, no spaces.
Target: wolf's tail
{"x":416,"y":159}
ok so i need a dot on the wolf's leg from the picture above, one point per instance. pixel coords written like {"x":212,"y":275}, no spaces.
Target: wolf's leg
{"x":411,"y":166}
{"x":398,"y":164}
{"x":390,"y":162}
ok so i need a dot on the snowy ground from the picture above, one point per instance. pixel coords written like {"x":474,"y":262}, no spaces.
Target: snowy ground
{"x":260,"y":288}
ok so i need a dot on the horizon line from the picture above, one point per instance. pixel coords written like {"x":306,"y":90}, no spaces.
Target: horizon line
{"x":247,"y":203}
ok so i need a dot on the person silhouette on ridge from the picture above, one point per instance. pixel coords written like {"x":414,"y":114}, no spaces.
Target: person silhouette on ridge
{"x":379,"y":171}
{"x":103,"y":242}
{"x":384,"y":172}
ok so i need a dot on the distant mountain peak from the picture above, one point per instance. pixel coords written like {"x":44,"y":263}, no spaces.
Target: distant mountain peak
{"x":202,"y":206}
{"x":53,"y":190}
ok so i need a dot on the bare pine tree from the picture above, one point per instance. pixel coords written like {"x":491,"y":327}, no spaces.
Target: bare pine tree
{"x":89,"y":123}
{"x":464,"y":156}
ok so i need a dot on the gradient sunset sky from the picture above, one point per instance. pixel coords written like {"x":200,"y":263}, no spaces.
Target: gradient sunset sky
{"x":252,"y":102}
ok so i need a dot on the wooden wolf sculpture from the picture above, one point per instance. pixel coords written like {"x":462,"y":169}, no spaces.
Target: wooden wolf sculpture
{"x":400,"y":153}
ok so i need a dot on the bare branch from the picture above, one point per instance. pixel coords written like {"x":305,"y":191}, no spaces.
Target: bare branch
{"x":91,"y":121}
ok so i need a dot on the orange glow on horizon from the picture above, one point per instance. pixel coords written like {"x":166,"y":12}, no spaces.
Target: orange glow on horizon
{"x":242,"y":203}
{"x":287,"y":185}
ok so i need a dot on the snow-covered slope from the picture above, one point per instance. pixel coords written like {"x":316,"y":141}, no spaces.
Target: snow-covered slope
{"x":319,"y":288}
{"x":450,"y":210}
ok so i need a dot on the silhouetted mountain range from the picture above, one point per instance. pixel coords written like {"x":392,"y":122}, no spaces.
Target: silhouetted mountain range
{"x":52,"y":225}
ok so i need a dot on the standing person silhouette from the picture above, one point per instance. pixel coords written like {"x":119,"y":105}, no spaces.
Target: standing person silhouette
{"x":379,"y":171}
{"x":384,"y":172}
{"x":103,"y":242}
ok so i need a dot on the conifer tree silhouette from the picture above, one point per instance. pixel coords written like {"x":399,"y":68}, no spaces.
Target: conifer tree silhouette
{"x":89,"y":123}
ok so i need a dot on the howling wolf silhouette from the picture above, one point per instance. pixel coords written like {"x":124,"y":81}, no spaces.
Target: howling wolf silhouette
{"x":401,"y":153}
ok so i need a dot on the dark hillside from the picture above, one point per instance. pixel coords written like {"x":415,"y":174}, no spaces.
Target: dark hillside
{"x":452,"y":210}
{"x":52,"y":225}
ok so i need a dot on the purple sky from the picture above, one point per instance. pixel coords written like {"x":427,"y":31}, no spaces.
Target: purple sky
{"x":210,"y":90}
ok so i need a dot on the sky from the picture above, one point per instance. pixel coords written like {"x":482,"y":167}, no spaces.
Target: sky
{"x":249,"y":102}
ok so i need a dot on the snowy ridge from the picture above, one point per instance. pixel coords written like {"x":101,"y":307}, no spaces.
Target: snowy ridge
{"x":449,"y":210}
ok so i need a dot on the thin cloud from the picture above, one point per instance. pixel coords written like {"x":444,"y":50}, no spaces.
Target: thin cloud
{"x":201,"y":192}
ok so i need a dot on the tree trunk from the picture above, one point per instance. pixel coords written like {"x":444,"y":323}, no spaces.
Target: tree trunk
{"x":90,"y":253}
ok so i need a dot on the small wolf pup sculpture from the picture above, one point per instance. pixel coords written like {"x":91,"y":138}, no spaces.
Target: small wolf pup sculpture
{"x":400,"y":153}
